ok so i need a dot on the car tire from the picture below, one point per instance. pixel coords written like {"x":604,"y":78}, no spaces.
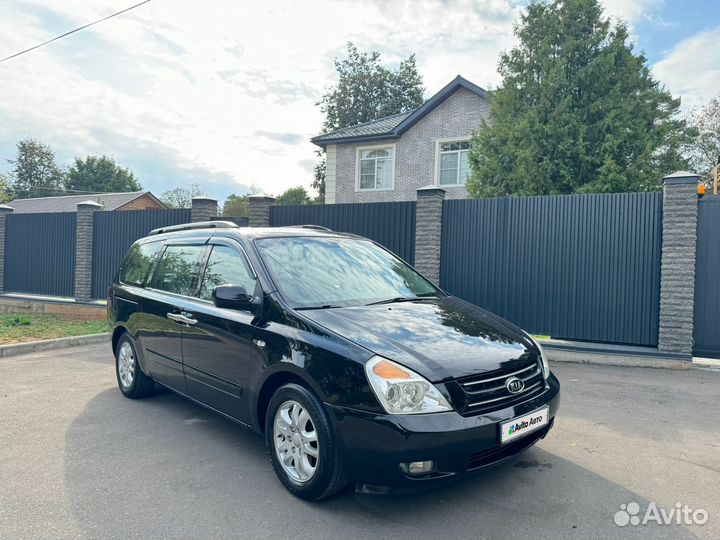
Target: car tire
{"x":132,"y":381}
{"x":290,"y":444}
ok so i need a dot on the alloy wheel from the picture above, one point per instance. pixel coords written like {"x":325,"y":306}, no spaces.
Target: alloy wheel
{"x":296,"y":441}
{"x":126,"y":365}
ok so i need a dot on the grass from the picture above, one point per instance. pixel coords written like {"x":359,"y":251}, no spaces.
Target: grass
{"x":21,"y":327}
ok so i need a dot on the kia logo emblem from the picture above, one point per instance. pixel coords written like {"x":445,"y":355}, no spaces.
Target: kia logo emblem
{"x":514,"y":385}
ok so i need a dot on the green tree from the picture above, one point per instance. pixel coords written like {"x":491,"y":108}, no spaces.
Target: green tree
{"x":706,"y":150}
{"x":366,"y":90}
{"x":100,"y":174}
{"x":34,"y":172}
{"x":578,"y":111}
{"x":236,"y":206}
{"x":4,"y":189}
{"x":296,"y":195}
{"x":181,"y":197}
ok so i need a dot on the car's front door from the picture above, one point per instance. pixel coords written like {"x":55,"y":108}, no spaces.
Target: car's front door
{"x":175,"y":279}
{"x":219,"y":355}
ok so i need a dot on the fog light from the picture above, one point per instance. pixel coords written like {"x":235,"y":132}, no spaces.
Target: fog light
{"x":418,"y":467}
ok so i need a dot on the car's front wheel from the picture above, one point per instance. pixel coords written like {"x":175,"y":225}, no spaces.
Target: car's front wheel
{"x":302,"y":444}
{"x":132,"y":381}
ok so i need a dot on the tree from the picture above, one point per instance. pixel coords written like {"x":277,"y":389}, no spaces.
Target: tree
{"x":366,"y":90}
{"x":236,"y":206}
{"x":296,"y":195}
{"x":4,"y":189}
{"x":100,"y":174}
{"x":706,"y":150}
{"x":34,"y":172}
{"x":578,"y":111}
{"x":181,"y":197}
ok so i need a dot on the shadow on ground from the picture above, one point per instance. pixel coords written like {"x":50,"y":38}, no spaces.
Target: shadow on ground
{"x":165,"y":467}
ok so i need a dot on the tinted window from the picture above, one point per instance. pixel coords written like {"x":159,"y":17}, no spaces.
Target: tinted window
{"x":138,"y":262}
{"x":226,"y":267}
{"x":314,"y":272}
{"x":177,"y":271}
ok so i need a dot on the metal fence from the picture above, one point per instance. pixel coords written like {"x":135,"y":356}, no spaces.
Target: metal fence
{"x":40,"y":254}
{"x":707,"y":279}
{"x":114,"y":233}
{"x":585,"y":267}
{"x":389,"y":224}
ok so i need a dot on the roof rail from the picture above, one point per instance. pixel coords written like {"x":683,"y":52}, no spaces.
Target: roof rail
{"x":316,"y":227}
{"x":197,"y":225}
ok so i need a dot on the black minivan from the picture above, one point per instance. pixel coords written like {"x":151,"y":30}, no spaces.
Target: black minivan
{"x":354,"y":366}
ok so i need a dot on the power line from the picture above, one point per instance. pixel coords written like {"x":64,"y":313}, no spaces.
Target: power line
{"x":73,"y":31}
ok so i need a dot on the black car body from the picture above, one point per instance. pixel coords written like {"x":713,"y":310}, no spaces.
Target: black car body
{"x":233,"y":349}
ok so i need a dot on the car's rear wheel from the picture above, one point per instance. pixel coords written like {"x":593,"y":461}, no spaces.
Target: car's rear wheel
{"x":132,"y":381}
{"x":302,"y":444}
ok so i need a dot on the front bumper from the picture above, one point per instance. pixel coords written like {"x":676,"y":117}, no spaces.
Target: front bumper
{"x":376,"y":444}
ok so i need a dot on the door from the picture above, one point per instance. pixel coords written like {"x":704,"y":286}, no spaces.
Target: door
{"x":218,"y":348}
{"x":160,"y":323}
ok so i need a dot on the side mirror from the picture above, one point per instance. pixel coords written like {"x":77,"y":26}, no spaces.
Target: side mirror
{"x":233,"y":297}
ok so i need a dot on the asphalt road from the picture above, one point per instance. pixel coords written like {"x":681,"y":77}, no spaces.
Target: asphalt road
{"x":79,"y":460}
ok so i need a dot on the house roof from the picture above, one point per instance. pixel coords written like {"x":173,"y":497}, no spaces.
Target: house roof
{"x":392,"y":127}
{"x":68,"y":203}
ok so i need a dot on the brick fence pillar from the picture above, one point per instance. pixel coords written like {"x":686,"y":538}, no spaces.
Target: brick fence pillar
{"x":203,"y":209}
{"x":428,"y":231}
{"x":677,"y":268}
{"x":260,"y":210}
{"x":84,"y":249}
{"x":4,"y":211}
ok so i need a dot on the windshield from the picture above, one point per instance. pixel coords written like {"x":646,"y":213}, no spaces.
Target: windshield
{"x":337,"y":272}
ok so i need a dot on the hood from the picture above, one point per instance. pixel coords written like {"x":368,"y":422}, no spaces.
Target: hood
{"x":439,"y":338}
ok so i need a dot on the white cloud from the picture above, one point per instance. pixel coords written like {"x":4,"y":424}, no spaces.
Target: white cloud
{"x":226,"y":87}
{"x":691,"y":70}
{"x":631,"y":11}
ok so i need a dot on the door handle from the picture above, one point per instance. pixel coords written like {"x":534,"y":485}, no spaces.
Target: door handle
{"x":182,"y":318}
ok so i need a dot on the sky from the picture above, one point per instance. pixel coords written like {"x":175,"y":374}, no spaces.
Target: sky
{"x":223,"y":93}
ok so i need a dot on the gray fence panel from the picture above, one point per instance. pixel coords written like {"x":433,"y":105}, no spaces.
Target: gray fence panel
{"x":583,"y":267}
{"x":707,"y":279}
{"x":114,"y":233}
{"x":390,"y":224}
{"x":40,"y":253}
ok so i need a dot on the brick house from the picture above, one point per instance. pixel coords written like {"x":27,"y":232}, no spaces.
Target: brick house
{"x":137,"y":200}
{"x":390,"y":158}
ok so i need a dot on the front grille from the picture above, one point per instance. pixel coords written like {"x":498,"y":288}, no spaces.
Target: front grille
{"x":487,"y":392}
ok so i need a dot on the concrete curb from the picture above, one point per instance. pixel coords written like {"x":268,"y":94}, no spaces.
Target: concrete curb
{"x":559,"y":351}
{"x":50,"y":344}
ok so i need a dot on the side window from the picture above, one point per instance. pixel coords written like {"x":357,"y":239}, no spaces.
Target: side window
{"x":226,"y":267}
{"x":138,"y":262}
{"x":177,"y":271}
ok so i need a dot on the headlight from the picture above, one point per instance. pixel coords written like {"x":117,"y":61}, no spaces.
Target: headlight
{"x":401,"y":390}
{"x":543,"y":359}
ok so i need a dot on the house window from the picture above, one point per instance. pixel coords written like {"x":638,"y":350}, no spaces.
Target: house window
{"x":376,"y":168}
{"x":454,"y":170}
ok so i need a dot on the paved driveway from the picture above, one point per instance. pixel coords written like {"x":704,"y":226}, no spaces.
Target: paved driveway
{"x":79,"y":460}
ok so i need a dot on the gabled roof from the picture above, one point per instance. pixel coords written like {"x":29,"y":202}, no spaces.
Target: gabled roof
{"x":68,"y":203}
{"x":392,"y":127}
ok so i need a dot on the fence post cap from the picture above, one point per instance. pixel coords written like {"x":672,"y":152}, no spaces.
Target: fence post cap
{"x":203,"y":198}
{"x":5,"y":209}
{"x":261,"y":197}
{"x":682,"y":177}
{"x":89,"y":204}
{"x":430,"y":190}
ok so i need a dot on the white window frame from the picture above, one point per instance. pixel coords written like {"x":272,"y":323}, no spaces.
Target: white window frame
{"x":360,"y":149}
{"x":439,"y":142}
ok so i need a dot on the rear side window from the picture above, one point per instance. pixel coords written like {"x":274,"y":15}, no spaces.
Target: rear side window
{"x":177,"y":271}
{"x":138,"y":262}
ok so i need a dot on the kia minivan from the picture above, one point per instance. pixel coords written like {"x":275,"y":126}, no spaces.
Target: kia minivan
{"x":354,"y":367}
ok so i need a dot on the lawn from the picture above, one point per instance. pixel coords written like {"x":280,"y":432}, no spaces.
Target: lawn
{"x":19,"y":327}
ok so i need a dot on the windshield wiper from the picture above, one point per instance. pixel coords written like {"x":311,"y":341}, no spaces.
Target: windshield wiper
{"x":326,"y":306}
{"x":399,"y":299}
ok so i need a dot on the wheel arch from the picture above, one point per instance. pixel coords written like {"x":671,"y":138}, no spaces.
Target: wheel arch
{"x":271,"y":383}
